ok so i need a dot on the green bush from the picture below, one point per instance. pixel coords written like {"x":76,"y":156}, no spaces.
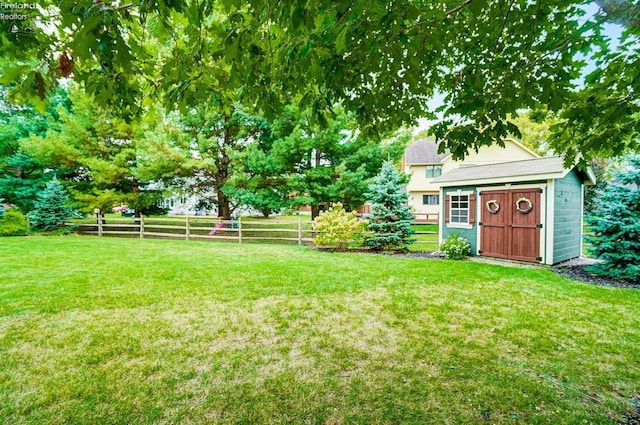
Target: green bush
{"x":455,"y":247}
{"x":13,"y":223}
{"x":338,"y":229}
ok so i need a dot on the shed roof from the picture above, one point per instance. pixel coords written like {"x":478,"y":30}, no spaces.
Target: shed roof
{"x":424,"y":151}
{"x":512,"y":172}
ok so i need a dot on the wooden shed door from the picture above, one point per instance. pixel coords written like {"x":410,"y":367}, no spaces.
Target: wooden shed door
{"x":510,"y":224}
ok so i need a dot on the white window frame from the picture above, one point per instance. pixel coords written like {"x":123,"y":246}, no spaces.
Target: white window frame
{"x":459,"y":225}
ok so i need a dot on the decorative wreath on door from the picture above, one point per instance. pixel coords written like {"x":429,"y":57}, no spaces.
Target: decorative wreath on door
{"x":493,"y":206}
{"x":526,"y":210}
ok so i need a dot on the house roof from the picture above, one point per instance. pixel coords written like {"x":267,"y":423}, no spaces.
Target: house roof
{"x":512,"y":172}
{"x":424,"y":151}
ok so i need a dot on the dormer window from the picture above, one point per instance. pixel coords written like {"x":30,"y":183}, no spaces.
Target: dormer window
{"x":433,"y":171}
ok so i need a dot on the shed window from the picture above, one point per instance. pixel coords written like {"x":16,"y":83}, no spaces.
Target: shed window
{"x":459,"y":209}
{"x":434,"y":171}
{"x":430,"y":199}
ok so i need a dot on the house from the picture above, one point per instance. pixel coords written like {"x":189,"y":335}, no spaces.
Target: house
{"x":424,"y":164}
{"x":528,"y":210}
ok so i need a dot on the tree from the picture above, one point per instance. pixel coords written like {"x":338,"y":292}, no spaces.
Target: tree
{"x":219,"y":140}
{"x":382,"y":60}
{"x":259,"y":180}
{"x":104,"y":161}
{"x":329,"y":163}
{"x":535,"y":129}
{"x":616,"y":225}
{"x":22,"y":177}
{"x":51,"y":210}
{"x":391,"y":215}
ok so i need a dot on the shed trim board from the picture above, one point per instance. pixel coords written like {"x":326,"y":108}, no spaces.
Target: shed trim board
{"x":551,"y":222}
{"x":541,"y":169}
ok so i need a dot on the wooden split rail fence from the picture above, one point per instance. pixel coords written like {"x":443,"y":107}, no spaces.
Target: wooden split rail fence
{"x":214,"y":229}
{"x":199,"y":228}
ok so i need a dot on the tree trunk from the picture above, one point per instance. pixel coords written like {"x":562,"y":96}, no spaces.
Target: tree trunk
{"x":224,"y":209}
{"x":315,"y":211}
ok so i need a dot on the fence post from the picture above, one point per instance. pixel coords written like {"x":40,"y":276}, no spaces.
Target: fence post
{"x":186,"y":229}
{"x":299,"y":231}
{"x":141,"y":227}
{"x":96,"y":211}
{"x":239,"y":229}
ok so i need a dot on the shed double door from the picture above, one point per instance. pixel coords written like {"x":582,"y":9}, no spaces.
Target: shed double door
{"x":510,"y":224}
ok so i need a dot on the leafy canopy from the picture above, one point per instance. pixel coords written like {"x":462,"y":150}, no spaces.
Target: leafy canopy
{"x":383,"y":60}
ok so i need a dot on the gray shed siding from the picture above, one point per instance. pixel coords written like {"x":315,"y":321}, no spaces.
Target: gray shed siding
{"x":469,"y":234}
{"x":567,"y":215}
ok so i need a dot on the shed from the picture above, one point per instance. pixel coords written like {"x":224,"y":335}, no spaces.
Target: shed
{"x":528,"y":210}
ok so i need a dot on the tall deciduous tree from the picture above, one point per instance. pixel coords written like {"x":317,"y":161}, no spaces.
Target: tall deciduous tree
{"x":383,"y":60}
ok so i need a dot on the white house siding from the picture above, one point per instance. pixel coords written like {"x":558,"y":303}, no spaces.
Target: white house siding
{"x":420,"y":185}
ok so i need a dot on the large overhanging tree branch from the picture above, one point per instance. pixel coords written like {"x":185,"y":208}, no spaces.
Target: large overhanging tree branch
{"x":382,"y":60}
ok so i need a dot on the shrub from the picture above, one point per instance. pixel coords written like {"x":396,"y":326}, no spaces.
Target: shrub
{"x":615,"y":224}
{"x":13,"y":223}
{"x":455,"y":247}
{"x":338,"y":228}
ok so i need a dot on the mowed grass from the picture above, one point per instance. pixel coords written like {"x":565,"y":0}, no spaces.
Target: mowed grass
{"x":116,"y":331}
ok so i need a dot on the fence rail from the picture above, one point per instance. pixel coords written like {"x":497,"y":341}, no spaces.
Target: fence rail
{"x":426,"y":217}
{"x":201,"y":228}
{"x":213,"y":229}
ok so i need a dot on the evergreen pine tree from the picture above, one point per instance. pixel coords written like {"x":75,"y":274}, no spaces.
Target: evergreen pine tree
{"x":391,"y":215}
{"x":616,"y":226}
{"x":51,"y":211}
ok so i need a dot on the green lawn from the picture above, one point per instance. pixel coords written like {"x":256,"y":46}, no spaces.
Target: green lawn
{"x":117,"y":331}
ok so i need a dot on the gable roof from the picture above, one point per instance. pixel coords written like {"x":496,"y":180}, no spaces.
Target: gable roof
{"x":511,"y":172}
{"x":424,"y":151}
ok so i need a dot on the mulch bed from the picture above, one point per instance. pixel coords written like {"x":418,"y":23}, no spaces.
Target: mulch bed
{"x":577,"y":272}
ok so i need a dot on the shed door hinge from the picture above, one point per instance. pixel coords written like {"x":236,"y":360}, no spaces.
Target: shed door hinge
{"x":480,"y":224}
{"x":539,"y":226}
{"x":479,"y":251}
{"x":538,"y":258}
{"x":540,"y":191}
